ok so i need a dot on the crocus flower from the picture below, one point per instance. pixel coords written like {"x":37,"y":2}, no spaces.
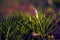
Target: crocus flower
{"x":36,"y":13}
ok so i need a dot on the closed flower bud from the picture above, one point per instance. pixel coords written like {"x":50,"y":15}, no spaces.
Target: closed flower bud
{"x":36,"y":13}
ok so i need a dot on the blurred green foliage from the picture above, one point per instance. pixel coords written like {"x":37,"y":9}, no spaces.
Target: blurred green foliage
{"x":21,"y":26}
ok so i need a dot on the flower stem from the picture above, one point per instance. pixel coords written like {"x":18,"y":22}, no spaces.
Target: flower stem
{"x":7,"y":34}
